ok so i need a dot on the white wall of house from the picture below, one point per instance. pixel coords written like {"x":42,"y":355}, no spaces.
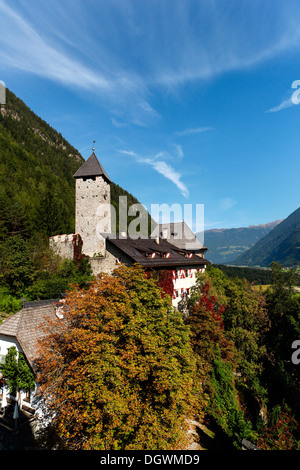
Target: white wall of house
{"x":183,"y":280}
{"x":7,"y":342}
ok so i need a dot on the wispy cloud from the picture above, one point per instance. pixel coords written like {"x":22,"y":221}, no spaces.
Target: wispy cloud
{"x":117,"y":123}
{"x":162,"y":168}
{"x":195,"y":130}
{"x":23,"y":48}
{"x":129,"y":152}
{"x":123,"y":55}
{"x":287,"y":103}
{"x":227,"y":203}
{"x":44,"y":54}
{"x":168,"y":172}
{"x":179,"y":150}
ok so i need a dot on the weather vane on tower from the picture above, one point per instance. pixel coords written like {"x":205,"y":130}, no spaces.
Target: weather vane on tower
{"x":93,"y":143}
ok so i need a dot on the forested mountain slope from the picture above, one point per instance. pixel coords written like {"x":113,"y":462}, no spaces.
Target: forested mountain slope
{"x":36,"y":168}
{"x":37,"y":191}
{"x":282,"y":245}
{"x":226,"y":244}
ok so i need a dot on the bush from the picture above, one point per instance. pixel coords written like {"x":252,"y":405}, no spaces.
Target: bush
{"x":51,"y":288}
{"x":281,"y":431}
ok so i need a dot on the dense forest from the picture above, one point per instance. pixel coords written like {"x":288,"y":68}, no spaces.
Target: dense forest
{"x":37,"y":200}
{"x":257,"y":276}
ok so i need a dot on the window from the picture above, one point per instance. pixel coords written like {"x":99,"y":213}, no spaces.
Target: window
{"x":85,"y":178}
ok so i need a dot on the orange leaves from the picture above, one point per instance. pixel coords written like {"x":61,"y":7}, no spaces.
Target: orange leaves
{"x":121,"y":360}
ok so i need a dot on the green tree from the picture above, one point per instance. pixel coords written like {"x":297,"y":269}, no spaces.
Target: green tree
{"x":246,"y":323}
{"x":284,"y":310}
{"x":12,"y":218}
{"x":16,"y":266}
{"x":51,"y":215}
{"x":117,"y":371}
{"x":281,"y":432}
{"x":281,"y":375}
{"x":228,"y":322}
{"x":16,"y":372}
{"x":217,"y":361}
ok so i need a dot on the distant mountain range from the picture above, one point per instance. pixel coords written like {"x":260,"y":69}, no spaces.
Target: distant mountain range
{"x":282,"y":244}
{"x":226,"y":244}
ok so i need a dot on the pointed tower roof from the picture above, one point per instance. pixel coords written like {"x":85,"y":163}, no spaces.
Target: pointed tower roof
{"x":91,"y":167}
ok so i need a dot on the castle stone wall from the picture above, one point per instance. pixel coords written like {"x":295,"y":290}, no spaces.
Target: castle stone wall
{"x":112,"y":259}
{"x":62,"y":245}
{"x":92,"y":218}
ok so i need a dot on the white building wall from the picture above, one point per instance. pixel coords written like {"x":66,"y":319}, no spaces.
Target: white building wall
{"x":7,"y":342}
{"x":183,"y":280}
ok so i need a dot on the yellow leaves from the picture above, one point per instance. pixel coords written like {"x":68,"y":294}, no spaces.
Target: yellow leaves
{"x":121,"y":360}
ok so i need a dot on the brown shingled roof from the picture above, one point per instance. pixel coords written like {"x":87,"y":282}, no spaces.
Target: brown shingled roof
{"x":91,"y":167}
{"x":27,"y":327}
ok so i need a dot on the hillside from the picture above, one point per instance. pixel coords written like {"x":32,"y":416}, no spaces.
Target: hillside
{"x":37,"y":193}
{"x":282,"y":244}
{"x":226,"y":244}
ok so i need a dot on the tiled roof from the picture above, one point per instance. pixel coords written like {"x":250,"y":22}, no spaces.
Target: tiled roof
{"x":140,"y":251}
{"x":91,"y":167}
{"x":27,"y":327}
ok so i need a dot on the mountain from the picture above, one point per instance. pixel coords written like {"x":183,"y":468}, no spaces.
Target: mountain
{"x":282,"y":244}
{"x":37,"y":191}
{"x":225,"y":244}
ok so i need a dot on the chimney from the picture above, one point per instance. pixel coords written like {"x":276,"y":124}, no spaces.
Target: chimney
{"x":157,"y":240}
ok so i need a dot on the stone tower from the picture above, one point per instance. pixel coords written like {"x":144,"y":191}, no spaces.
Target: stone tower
{"x":92,"y":206}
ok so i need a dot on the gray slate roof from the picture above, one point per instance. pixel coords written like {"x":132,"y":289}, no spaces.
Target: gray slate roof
{"x":27,"y":327}
{"x":91,"y":167}
{"x":179,"y":234}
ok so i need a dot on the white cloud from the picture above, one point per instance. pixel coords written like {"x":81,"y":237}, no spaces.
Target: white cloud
{"x":44,"y":54}
{"x":283,"y":105}
{"x":111,"y":49}
{"x":128,"y":152}
{"x":23,"y":48}
{"x":196,"y":130}
{"x":168,"y":172}
{"x":227,"y":203}
{"x":117,"y":123}
{"x":162,"y":168}
{"x":179,"y":150}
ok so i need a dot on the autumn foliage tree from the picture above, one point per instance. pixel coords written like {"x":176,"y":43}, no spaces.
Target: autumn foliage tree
{"x":116,"y":372}
{"x":216,"y":361}
{"x":280,"y":430}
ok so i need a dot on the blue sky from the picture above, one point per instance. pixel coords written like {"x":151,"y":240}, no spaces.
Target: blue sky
{"x":189,"y":101}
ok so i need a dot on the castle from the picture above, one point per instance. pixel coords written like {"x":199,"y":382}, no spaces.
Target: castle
{"x":171,"y":247}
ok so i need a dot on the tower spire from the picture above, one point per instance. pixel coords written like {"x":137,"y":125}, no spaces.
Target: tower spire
{"x":91,"y":167}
